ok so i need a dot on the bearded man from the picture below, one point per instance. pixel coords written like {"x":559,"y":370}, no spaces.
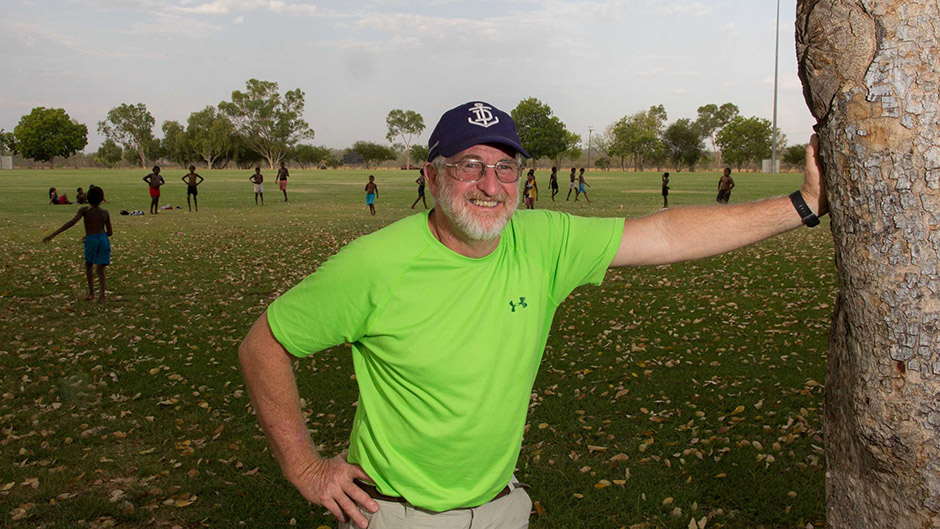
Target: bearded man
{"x":445,"y":378}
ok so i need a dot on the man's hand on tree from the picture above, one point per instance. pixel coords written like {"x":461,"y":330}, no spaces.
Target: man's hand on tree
{"x":814,"y":188}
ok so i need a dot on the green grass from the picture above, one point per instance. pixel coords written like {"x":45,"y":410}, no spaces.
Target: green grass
{"x":666,"y":394}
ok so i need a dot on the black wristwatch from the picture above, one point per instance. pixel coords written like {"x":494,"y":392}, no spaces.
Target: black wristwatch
{"x":809,"y":218}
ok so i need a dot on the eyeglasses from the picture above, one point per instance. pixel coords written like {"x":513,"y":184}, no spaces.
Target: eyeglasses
{"x":470,"y":170}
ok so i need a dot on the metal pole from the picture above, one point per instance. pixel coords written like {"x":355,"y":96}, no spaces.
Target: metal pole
{"x":773,"y":152}
{"x":590,"y":130}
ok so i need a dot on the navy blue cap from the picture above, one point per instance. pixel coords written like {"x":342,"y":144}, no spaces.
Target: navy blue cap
{"x":472,"y":124}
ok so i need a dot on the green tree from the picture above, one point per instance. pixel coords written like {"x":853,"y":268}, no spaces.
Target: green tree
{"x":209,"y":134}
{"x":795,"y":155}
{"x":404,"y":124}
{"x":603,"y":163}
{"x":243,"y":155}
{"x":573,"y":152}
{"x":175,"y":144}
{"x":542,"y":134}
{"x":373,"y":153}
{"x":334,"y":160}
{"x":130,"y":126}
{"x":306,"y":155}
{"x":109,"y":154}
{"x":419,"y":154}
{"x":153,"y":151}
{"x":45,"y":133}
{"x":269,"y":123}
{"x":711,"y":119}
{"x":7,"y":142}
{"x":682,"y":142}
{"x":745,"y":140}
{"x":637,"y":136}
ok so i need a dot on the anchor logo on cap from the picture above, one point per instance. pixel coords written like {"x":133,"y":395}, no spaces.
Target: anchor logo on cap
{"x":484,"y":118}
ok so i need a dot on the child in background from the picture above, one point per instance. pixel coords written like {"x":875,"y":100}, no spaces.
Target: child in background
{"x":372,"y":191}
{"x":258,"y":180}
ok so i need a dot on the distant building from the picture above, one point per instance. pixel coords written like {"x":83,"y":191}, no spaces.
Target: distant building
{"x":353,"y":158}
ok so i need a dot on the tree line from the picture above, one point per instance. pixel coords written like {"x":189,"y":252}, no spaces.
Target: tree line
{"x":262,"y":125}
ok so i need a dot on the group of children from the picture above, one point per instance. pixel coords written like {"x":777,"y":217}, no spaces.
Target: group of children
{"x":97,"y":221}
{"x":155,"y":181}
{"x":258,"y":180}
{"x":530,"y":190}
{"x":56,"y":199}
{"x":193,"y":179}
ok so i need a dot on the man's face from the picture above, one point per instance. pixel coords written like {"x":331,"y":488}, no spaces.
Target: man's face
{"x":479,"y":210}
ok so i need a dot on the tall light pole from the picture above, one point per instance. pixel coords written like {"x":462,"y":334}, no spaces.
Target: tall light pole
{"x":773,"y":152}
{"x":590,"y":130}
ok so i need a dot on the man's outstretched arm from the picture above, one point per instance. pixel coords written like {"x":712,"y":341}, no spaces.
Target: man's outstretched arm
{"x":686,"y":233}
{"x":267,"y":368}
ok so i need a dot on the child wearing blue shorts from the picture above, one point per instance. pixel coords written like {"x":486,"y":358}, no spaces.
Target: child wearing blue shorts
{"x":97,"y":246}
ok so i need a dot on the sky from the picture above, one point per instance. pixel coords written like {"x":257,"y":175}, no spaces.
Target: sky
{"x":592,"y":62}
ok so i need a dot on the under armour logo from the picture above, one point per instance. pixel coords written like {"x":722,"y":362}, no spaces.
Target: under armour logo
{"x":521,"y":304}
{"x":484,"y":117}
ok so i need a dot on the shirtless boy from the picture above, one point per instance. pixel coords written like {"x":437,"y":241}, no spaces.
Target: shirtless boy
{"x":372,"y":191}
{"x":192,"y":180}
{"x":420,"y":181}
{"x":154,"y":180}
{"x":257,"y":179}
{"x":97,"y":247}
{"x":725,"y":185}
{"x":572,"y":186}
{"x":581,"y":185}
{"x":553,"y":182}
{"x":282,"y":174}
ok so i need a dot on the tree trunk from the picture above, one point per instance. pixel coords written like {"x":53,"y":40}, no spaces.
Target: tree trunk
{"x":871,"y":77}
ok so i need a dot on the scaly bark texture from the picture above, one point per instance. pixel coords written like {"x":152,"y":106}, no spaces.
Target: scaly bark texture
{"x":871,"y":76}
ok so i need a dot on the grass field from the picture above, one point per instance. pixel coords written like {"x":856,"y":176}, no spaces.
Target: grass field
{"x":680,"y":396}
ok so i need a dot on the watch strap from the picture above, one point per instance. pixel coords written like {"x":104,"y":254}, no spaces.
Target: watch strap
{"x":808,"y":217}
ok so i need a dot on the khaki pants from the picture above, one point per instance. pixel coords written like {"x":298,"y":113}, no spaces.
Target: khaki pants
{"x":509,"y":512}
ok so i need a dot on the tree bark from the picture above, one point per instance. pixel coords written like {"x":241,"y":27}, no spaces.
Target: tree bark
{"x":871,"y":76}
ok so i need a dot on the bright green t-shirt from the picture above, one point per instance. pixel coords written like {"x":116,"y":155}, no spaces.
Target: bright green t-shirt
{"x":445,"y":347}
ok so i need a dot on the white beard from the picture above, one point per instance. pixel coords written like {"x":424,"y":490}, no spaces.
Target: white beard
{"x":475,"y":226}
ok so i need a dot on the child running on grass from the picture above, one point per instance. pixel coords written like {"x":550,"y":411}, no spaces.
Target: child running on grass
{"x":97,"y":247}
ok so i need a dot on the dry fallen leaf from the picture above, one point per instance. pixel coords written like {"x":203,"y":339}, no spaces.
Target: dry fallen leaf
{"x":539,"y":510}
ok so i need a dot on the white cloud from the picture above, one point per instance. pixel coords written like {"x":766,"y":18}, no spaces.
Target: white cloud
{"x":680,"y":91}
{"x":239,"y":20}
{"x":695,"y":9}
{"x":42,"y":39}
{"x":653,"y":72}
{"x":224,"y":7}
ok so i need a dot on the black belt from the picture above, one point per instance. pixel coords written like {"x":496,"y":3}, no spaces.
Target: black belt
{"x":374,"y":493}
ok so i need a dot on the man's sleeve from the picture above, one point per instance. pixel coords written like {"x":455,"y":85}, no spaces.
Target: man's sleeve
{"x":585,"y":248}
{"x":329,"y":307}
